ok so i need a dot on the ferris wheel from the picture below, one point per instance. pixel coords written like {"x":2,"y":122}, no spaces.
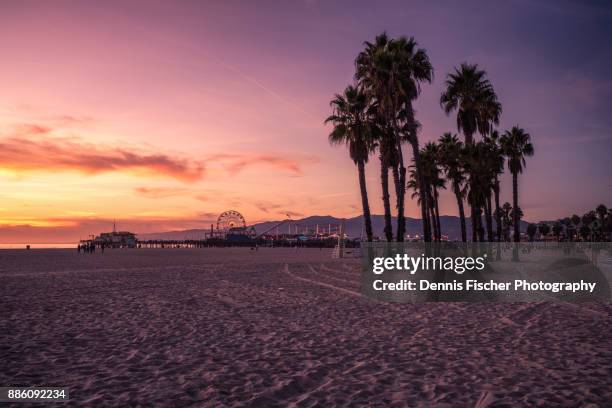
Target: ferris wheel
{"x":230,"y":219}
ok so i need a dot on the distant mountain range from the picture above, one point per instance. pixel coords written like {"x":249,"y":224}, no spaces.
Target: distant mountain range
{"x":451,"y":226}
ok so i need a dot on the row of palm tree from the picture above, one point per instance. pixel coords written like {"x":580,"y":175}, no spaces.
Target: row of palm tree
{"x":473,"y":171}
{"x":376,"y":115}
{"x":594,"y":225}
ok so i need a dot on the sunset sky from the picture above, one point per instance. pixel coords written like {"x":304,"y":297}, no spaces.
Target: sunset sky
{"x":164,"y":114}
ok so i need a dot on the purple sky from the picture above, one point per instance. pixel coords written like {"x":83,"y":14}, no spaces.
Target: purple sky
{"x":180,"y":110}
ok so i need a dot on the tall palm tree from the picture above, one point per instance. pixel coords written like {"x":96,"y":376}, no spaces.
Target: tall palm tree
{"x":478,"y":180}
{"x":388,"y":158}
{"x":450,"y":158}
{"x":417,"y":193}
{"x":430,"y":156}
{"x":470,"y":93}
{"x":391,"y":71}
{"x":496,"y":159}
{"x":351,"y":127}
{"x":516,"y":144}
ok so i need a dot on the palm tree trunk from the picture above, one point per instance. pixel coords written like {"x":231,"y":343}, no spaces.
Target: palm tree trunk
{"x":364,"y":200}
{"x":400,"y":186}
{"x":517,"y":220}
{"x":414,"y":142}
{"x":401,"y":207}
{"x":474,"y":222}
{"x":401,"y":223}
{"x":497,"y":209}
{"x":437,"y":209}
{"x":457,"y":192}
{"x":481,"y":229}
{"x":489,"y":217}
{"x":384,"y":179}
{"x":432,"y":216}
{"x":396,"y":182}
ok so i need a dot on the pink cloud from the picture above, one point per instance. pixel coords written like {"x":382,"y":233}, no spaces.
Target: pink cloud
{"x":27,"y":151}
{"x":235,"y":163}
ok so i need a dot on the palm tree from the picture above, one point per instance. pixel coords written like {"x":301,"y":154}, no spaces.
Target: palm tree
{"x":432,"y":173}
{"x":516,"y":144}
{"x":576,"y":221}
{"x":588,"y":219}
{"x":351,"y":127}
{"x":496,"y":158}
{"x":517,"y":213}
{"x":470,"y":93}
{"x":387,"y":156}
{"x":544,"y":229}
{"x":557,"y":230}
{"x":602,"y":211}
{"x":608,"y":225}
{"x":391,"y":71}
{"x":506,"y":212}
{"x":432,"y":219}
{"x":479,"y":182}
{"x":417,"y":191}
{"x":567,"y":227}
{"x":450,"y":159}
{"x":585,"y":232}
{"x":531,"y":231}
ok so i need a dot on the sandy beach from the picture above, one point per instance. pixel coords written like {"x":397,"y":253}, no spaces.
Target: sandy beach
{"x":280,"y":327}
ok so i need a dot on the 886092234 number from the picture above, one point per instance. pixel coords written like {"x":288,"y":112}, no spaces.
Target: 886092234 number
{"x":14,"y":394}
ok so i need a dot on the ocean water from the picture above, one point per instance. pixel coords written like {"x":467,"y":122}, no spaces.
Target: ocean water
{"x":35,"y":246}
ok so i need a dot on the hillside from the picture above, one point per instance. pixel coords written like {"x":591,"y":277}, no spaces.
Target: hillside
{"x":354,"y":227}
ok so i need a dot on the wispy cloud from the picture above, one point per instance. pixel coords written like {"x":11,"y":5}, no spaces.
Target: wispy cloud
{"x":161,"y":192}
{"x":32,"y":147}
{"x":235,"y":163}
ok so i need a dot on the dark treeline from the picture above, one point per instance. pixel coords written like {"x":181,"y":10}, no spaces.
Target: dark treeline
{"x":594,"y":225}
{"x":375,"y":116}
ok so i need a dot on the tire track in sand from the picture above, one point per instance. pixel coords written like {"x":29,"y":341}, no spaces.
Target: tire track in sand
{"x":326,"y":285}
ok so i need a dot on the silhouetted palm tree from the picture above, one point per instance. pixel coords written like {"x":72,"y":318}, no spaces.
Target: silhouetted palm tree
{"x":585,"y":232}
{"x":388,"y":158}
{"x":470,"y":93}
{"x":478,"y":178}
{"x":506,"y":212}
{"x":351,"y":127}
{"x":413,"y":184}
{"x":531,"y":231}
{"x":516,"y":145}
{"x":451,"y":160}
{"x":557,"y":230}
{"x":608,"y":225}
{"x":391,"y":71}
{"x":588,"y":219}
{"x":432,"y":174}
{"x":576,"y":221}
{"x":602,"y":211}
{"x":567,"y":227}
{"x":544,"y":229}
{"x":496,"y":159}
